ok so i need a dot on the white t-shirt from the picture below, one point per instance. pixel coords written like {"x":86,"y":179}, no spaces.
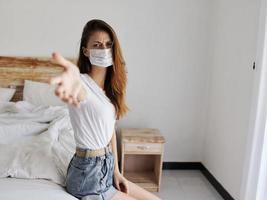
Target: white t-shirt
{"x":93,"y":123}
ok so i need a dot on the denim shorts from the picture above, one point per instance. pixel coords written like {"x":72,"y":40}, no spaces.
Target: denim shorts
{"x":91,"y":178}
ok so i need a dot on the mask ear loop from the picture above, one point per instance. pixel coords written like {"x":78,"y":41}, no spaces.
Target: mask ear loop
{"x":88,"y":50}
{"x":88,"y":58}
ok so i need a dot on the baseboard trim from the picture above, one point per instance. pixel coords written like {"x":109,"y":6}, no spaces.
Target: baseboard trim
{"x":182,"y":165}
{"x":199,"y":166}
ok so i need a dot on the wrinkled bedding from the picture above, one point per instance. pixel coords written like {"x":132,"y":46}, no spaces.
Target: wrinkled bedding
{"x":36,"y":142}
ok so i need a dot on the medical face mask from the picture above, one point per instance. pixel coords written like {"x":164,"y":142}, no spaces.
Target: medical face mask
{"x":101,"y":57}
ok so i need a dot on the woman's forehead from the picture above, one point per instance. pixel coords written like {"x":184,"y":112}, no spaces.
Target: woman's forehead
{"x":100,"y":36}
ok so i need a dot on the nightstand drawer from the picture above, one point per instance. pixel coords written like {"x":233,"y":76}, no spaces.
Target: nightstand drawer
{"x":143,"y":147}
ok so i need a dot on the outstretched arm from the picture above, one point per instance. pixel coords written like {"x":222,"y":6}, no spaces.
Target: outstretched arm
{"x":70,"y":88}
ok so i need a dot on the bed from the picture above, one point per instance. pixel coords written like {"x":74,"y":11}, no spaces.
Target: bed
{"x":36,"y":141}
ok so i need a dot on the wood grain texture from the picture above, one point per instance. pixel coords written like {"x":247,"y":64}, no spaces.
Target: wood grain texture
{"x":15,"y":70}
{"x":141,"y":135}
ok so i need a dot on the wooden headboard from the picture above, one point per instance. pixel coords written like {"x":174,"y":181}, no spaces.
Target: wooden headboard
{"x":14,"y":70}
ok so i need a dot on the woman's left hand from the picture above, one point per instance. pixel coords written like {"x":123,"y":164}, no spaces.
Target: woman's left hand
{"x":121,"y":182}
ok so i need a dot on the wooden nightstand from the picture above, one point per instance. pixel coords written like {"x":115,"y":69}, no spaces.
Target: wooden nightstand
{"x":142,"y":156}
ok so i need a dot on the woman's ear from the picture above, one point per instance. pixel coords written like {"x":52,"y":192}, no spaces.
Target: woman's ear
{"x":85,"y":52}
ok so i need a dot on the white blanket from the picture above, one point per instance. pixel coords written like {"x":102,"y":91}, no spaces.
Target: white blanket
{"x":35,"y":141}
{"x":27,"y":189}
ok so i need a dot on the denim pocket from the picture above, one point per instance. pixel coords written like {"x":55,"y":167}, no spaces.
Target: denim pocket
{"x":83,"y":163}
{"x":77,"y":173}
{"x":74,"y":180}
{"x":92,"y":178}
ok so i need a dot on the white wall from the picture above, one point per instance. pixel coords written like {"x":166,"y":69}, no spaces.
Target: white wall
{"x":176,"y":51}
{"x":234,"y":50}
{"x":164,"y":43}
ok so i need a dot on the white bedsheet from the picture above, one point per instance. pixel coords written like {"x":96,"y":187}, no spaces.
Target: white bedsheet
{"x":35,"y":141}
{"x":35,"y":189}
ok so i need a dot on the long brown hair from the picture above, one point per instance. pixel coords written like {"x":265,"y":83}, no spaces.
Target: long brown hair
{"x":116,"y":79}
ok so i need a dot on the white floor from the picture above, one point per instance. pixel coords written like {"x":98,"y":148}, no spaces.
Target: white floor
{"x":186,"y":185}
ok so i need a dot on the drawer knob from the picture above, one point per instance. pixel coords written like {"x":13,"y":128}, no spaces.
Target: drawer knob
{"x":143,"y":147}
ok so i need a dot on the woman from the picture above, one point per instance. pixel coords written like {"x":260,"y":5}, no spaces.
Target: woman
{"x":95,"y":93}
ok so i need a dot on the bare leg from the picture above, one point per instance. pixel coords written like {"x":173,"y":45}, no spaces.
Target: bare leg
{"x":140,"y":193}
{"x":122,"y":196}
{"x":135,"y":193}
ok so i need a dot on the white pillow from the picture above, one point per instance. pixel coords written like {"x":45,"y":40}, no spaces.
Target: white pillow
{"x":6,"y":94}
{"x":39,"y":93}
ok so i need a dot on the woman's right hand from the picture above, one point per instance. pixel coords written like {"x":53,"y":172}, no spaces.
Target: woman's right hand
{"x":69,"y":86}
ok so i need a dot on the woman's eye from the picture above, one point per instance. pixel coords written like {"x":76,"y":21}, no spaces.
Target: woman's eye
{"x":109,"y":44}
